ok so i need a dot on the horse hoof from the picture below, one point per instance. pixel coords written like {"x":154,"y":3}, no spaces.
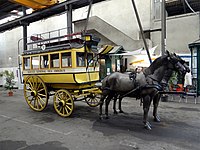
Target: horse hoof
{"x":100,"y":117}
{"x":115,"y":112}
{"x":121,"y":111}
{"x":148,"y":127}
{"x":157,"y":119}
{"x":106,"y":117}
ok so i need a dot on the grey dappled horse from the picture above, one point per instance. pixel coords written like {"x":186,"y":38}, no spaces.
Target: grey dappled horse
{"x":146,"y":85}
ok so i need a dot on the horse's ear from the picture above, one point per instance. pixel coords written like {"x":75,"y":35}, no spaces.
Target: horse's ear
{"x":168,"y":53}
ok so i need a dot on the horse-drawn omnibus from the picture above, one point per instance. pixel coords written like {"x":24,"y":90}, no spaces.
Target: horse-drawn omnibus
{"x":65,"y":67}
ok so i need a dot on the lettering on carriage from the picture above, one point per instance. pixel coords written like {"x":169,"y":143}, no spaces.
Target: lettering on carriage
{"x":60,"y":70}
{"x":46,"y":71}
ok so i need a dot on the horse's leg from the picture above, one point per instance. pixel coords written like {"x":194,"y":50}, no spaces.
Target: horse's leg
{"x":155,"y":107}
{"x":120,"y":105}
{"x":114,"y":104}
{"x":146,"y":105}
{"x":108,"y":99}
{"x":104,"y":94}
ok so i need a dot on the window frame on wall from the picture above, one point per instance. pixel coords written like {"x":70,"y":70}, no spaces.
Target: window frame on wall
{"x":26,"y":61}
{"x":43,"y":61}
{"x":68,"y":60}
{"x":78,"y":62}
{"x":35,"y":66}
{"x":90,"y":59}
{"x":57,"y":61}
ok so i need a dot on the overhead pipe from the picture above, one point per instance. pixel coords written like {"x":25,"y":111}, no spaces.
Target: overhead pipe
{"x":141,"y":30}
{"x":163,"y":32}
{"x":88,"y":15}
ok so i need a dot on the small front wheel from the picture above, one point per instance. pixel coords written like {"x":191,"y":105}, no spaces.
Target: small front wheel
{"x":63,"y":103}
{"x":93,"y":100}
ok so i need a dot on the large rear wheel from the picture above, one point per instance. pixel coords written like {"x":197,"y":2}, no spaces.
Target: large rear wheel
{"x":35,"y":93}
{"x":63,"y":103}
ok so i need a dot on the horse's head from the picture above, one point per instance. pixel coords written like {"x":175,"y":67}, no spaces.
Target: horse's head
{"x":176,"y":63}
{"x":183,"y":62}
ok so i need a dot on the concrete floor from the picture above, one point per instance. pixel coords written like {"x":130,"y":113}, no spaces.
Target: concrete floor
{"x":23,"y":129}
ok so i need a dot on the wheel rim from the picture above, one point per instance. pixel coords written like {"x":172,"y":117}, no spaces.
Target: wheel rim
{"x":63,"y":103}
{"x":35,"y":93}
{"x":93,"y":100}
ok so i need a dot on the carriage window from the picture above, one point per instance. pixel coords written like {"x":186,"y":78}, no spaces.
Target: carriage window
{"x":66,"y":59}
{"x":44,"y":61}
{"x":54,"y":60}
{"x":80,"y":59}
{"x":27,"y":63}
{"x":90,"y":59}
{"x":35,"y":62}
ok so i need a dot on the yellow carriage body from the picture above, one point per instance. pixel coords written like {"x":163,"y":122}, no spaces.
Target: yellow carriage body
{"x":76,"y":74}
{"x":66,"y":67}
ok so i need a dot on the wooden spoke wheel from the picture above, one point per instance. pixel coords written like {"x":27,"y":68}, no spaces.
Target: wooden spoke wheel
{"x":63,"y":103}
{"x":93,"y":100}
{"x":35,"y":93}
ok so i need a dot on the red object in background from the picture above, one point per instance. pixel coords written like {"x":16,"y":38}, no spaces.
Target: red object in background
{"x":179,"y":88}
{"x":35,"y":38}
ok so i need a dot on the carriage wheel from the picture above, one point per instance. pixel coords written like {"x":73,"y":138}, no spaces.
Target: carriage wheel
{"x":35,"y":93}
{"x":93,"y":100}
{"x":63,"y":103}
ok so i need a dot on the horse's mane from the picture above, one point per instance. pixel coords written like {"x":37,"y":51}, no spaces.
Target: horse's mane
{"x":155,"y":65}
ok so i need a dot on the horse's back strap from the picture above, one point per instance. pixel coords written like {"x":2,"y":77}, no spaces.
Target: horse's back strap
{"x":156,"y":86}
{"x":132,"y":91}
{"x":172,"y":92}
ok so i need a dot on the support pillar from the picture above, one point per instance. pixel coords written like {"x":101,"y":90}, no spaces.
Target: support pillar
{"x":24,"y":31}
{"x":69,"y":19}
{"x":141,"y":30}
{"x":163,"y":24}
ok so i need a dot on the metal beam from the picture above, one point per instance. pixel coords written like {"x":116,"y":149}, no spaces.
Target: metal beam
{"x":88,"y":15}
{"x":163,"y":24}
{"x":24,"y":31}
{"x":141,"y":30}
{"x":44,"y":13}
{"x":69,"y":19}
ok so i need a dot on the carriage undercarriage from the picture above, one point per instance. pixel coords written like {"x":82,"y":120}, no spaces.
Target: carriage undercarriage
{"x":37,"y":93}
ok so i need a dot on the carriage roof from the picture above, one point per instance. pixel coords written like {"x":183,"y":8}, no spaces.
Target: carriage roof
{"x":45,"y":46}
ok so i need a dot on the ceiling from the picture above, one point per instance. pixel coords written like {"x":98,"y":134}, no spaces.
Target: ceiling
{"x":7,"y":8}
{"x":178,"y":7}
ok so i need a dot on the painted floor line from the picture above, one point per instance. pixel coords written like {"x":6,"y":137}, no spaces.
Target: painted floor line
{"x":35,"y":125}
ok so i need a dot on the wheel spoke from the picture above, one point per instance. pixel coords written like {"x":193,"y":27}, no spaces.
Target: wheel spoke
{"x":28,"y":90}
{"x":37,"y":106}
{"x":60,"y":109}
{"x":42,"y":95}
{"x":30,"y":84}
{"x":39,"y":102}
{"x":63,"y":110}
{"x":59,"y":96}
{"x":41,"y":90}
{"x":69,"y":104}
{"x":66,"y":110}
{"x":41,"y":99}
{"x":68,"y":107}
{"x":39,"y":85}
{"x":57,"y":104}
{"x":34,"y":102}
